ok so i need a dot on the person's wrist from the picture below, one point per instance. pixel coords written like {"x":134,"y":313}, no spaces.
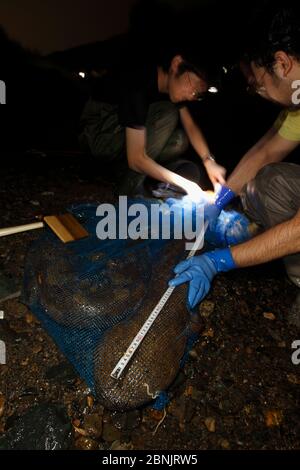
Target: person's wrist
{"x":222,"y":259}
{"x":208,"y":157}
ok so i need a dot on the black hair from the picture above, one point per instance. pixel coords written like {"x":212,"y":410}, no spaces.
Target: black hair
{"x":163,"y":31}
{"x":203,"y":62}
{"x":274,"y":28}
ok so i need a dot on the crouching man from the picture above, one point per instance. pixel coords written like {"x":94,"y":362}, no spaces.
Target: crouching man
{"x":269,"y":189}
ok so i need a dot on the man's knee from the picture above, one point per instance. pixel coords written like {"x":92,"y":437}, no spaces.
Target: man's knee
{"x":272,"y":196}
{"x":259,"y":186}
{"x":275,"y":179}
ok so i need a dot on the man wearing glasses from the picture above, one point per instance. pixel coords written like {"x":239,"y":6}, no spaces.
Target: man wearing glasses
{"x":269,"y":189}
{"x":131,"y":122}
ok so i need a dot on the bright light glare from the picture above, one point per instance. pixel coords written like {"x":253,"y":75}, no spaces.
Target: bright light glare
{"x":209,"y":196}
{"x":81,"y":74}
{"x":217,"y":188}
{"x":213,"y":89}
{"x":195,"y":194}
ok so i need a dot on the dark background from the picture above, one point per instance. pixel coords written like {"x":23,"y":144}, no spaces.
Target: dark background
{"x":53,"y":25}
{"x":50,"y":25}
{"x":45,"y":44}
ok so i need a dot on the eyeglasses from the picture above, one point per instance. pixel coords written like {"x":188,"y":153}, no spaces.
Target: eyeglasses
{"x":196,"y":94}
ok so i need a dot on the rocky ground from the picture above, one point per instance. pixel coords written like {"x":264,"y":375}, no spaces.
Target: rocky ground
{"x":238,"y":390}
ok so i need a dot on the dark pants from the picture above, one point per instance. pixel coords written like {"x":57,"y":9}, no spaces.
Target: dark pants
{"x":102,"y":135}
{"x":272,"y":198}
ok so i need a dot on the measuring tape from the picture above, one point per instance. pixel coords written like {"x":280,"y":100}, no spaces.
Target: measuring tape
{"x":119,"y":369}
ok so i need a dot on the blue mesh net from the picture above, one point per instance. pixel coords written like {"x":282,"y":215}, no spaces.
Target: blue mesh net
{"x":92,"y":296}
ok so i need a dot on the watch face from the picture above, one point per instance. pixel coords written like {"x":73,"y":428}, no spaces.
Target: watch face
{"x":209,"y":157}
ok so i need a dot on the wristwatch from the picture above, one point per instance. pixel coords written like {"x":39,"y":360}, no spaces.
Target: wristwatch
{"x":209,"y":156}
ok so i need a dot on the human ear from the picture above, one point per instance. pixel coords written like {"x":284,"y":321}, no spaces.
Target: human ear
{"x":284,"y":64}
{"x":176,"y":61}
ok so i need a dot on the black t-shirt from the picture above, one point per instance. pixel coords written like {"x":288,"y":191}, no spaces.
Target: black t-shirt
{"x":132,"y":89}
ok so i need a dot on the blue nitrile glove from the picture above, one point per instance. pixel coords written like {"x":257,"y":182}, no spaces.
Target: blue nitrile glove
{"x":231,"y":228}
{"x":212,"y":211}
{"x":200,"y":271}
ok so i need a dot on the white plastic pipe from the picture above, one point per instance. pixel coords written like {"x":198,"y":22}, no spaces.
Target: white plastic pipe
{"x":20,"y":228}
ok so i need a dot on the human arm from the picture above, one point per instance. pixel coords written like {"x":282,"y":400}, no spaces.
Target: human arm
{"x":278,"y":241}
{"x":140,"y":162}
{"x":195,"y":135}
{"x":270,"y":148}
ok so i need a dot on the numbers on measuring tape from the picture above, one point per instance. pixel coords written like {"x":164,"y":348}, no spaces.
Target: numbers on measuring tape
{"x":120,"y":367}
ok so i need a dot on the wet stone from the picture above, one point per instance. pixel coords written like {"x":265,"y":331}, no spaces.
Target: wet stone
{"x":29,"y":392}
{"x":2,"y":405}
{"x":62,"y":373}
{"x":206,"y":308}
{"x":190,"y":411}
{"x":110,"y":433}
{"x":227,"y":401}
{"x":93,"y":425}
{"x":117,"y":445}
{"x":225,"y":444}
{"x":119,"y":420}
{"x":133,"y":420}
{"x":210,"y":424}
{"x":86,"y":443}
{"x":43,"y":427}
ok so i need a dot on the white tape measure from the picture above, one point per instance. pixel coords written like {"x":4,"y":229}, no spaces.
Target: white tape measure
{"x":118,"y":370}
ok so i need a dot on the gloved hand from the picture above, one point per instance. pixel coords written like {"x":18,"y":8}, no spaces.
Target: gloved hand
{"x":213,"y":210}
{"x":231,"y":228}
{"x":200,"y":271}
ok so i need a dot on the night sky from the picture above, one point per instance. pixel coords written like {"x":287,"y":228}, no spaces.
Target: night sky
{"x":51,"y":25}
